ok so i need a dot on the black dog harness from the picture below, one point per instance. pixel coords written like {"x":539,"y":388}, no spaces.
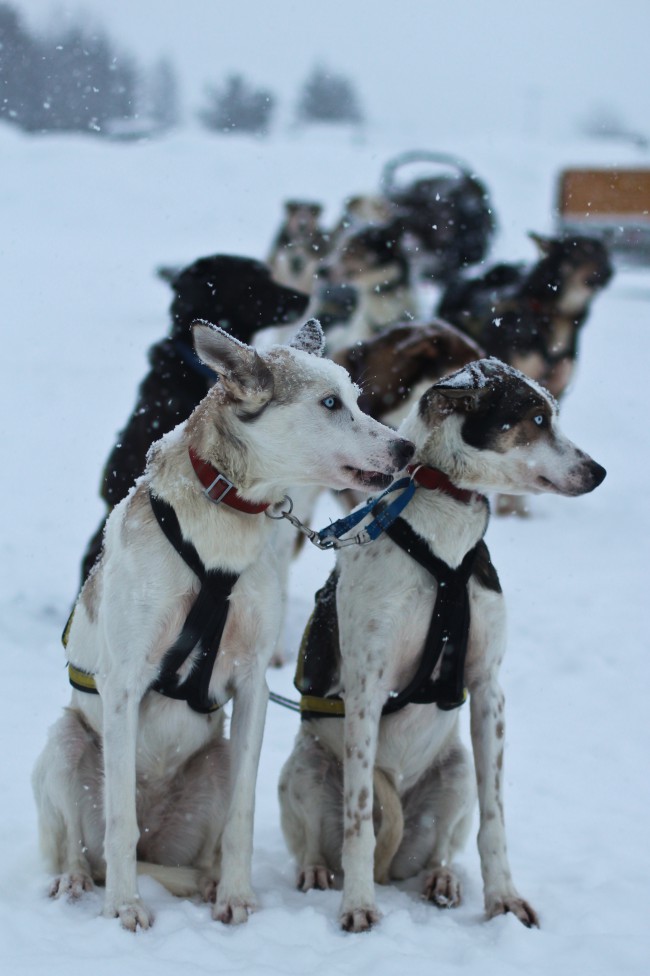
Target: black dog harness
{"x":202,"y":630}
{"x":445,"y":643}
{"x":204,"y":626}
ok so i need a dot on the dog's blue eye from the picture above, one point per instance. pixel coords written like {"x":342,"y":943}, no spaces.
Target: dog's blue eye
{"x":331,"y":403}
{"x":540,"y":420}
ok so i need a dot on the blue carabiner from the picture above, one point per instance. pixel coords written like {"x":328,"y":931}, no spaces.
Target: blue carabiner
{"x":381,"y":521}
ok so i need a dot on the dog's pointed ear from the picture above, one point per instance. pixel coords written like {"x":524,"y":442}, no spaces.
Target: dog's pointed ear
{"x":242,"y":372}
{"x":463,"y":390}
{"x":542,"y":243}
{"x":310,"y":338}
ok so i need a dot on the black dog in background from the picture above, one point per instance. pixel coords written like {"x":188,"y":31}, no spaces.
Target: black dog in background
{"x":235,"y":293}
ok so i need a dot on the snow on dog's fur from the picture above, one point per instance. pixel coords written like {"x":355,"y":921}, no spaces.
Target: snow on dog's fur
{"x":487,"y":428}
{"x":131,"y":775}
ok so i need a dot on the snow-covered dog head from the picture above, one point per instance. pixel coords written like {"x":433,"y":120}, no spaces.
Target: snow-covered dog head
{"x":289,"y":417}
{"x":490,"y":428}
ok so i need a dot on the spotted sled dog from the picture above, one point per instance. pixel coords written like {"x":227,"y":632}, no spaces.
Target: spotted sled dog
{"x":399,"y":631}
{"x":133,"y":773}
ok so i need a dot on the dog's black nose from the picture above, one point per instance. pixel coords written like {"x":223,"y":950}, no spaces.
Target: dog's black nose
{"x":598,"y":473}
{"x":403,"y":451}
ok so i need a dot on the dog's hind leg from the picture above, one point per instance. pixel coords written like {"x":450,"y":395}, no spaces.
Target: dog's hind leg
{"x":310,"y":792}
{"x":438,"y":816}
{"x":212,"y":773}
{"x":60,"y":799}
{"x":389,"y":824}
{"x":181,"y":826}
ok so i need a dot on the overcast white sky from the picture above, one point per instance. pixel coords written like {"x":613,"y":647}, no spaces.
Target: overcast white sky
{"x":491,"y":65}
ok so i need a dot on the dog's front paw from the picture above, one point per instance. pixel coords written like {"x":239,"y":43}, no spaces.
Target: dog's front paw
{"x":359,"y":919}
{"x":315,"y":876}
{"x":133,"y":914}
{"x":512,"y":903}
{"x":71,"y":886}
{"x":442,"y":887}
{"x":233,"y":909}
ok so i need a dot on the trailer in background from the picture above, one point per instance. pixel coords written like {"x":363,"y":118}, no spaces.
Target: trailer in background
{"x":611,"y":204}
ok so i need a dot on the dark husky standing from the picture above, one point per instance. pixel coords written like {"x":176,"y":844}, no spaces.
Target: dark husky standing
{"x":531,"y":317}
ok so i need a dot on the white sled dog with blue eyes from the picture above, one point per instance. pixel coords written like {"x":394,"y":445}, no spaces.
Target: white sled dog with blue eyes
{"x":137,"y":774}
{"x":421,"y":623}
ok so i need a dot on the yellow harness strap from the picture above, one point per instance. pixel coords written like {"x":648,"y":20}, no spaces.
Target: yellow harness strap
{"x":322,"y":706}
{"x":313,"y":705}
{"x":81,"y":680}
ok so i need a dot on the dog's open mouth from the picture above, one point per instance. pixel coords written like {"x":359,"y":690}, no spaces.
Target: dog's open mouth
{"x":546,"y":485}
{"x":369,"y":479}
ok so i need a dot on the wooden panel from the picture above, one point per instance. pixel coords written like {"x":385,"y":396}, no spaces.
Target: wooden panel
{"x":605,"y":191}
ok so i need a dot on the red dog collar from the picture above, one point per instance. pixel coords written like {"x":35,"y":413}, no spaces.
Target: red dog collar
{"x":436,"y":480}
{"x":219,"y":489}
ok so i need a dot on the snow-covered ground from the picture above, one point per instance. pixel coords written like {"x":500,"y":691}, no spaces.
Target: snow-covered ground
{"x":83,"y":225}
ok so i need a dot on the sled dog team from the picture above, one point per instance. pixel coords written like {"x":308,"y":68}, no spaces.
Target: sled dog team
{"x":180,"y":616}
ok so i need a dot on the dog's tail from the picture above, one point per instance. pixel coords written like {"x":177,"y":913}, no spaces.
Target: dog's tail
{"x":182,"y":882}
{"x":391,"y":824}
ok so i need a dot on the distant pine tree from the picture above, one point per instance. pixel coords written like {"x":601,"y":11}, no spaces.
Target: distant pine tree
{"x":327,"y":97}
{"x":238,"y":107}
{"x":76,"y":81}
{"x":85,"y":82}
{"x":18,"y":68}
{"x":163,"y":95}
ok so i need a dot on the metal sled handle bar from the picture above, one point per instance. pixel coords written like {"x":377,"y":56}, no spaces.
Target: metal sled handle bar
{"x":388,"y":182}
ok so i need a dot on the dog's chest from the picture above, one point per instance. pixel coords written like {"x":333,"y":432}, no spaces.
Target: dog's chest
{"x":411,"y":740}
{"x":169,"y":733}
{"x":390,"y":636}
{"x":295,"y":267}
{"x":575,"y":297}
{"x":236,"y":551}
{"x":562,"y":330}
{"x":377,"y":310}
{"x":381,"y":309}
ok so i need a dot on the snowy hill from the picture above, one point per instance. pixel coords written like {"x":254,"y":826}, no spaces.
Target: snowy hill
{"x":84,"y":224}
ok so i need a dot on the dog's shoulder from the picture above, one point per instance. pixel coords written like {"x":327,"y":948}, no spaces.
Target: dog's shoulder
{"x":484,"y":572}
{"x":319,"y":659}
